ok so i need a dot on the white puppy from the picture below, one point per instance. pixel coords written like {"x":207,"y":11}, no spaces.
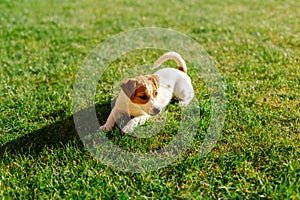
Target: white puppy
{"x":145,"y":96}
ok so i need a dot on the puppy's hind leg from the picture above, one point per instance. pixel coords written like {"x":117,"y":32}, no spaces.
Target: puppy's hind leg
{"x":186,"y":96}
{"x":186,"y":101}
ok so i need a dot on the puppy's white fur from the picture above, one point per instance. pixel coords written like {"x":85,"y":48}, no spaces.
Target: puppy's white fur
{"x":172,"y":81}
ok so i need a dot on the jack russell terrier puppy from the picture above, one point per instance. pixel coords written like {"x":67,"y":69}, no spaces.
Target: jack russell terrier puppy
{"x":145,"y":96}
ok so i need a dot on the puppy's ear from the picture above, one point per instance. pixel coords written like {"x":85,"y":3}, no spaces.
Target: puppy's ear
{"x":129,"y":87}
{"x":154,"y":79}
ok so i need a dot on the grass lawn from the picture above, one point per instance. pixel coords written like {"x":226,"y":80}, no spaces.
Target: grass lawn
{"x":256,"y":46}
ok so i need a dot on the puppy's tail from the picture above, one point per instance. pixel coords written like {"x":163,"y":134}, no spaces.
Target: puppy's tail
{"x":174,"y":56}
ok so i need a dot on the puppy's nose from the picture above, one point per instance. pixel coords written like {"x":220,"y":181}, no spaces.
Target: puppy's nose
{"x":156,"y":110}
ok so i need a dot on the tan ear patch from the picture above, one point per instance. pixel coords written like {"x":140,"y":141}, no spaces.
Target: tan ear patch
{"x":142,"y":95}
{"x":136,"y":88}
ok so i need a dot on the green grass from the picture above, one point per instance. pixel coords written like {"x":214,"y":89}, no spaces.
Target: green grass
{"x":256,"y":46}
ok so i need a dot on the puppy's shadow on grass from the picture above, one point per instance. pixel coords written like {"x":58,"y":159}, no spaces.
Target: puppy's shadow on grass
{"x":54,"y":136}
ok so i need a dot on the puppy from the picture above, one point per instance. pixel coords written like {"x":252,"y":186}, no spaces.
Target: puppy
{"x":145,"y":96}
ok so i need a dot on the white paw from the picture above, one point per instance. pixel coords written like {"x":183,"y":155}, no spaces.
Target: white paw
{"x":129,"y":127}
{"x":143,"y":120}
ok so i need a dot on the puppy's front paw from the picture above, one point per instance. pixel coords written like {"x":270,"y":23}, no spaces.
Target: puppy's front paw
{"x":129,"y":127}
{"x":105,"y":128}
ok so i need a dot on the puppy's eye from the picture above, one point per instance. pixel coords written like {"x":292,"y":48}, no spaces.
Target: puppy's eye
{"x":155,"y":93}
{"x":143,"y":97}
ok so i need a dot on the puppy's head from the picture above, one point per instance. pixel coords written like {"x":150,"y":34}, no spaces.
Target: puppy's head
{"x":142,"y":91}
